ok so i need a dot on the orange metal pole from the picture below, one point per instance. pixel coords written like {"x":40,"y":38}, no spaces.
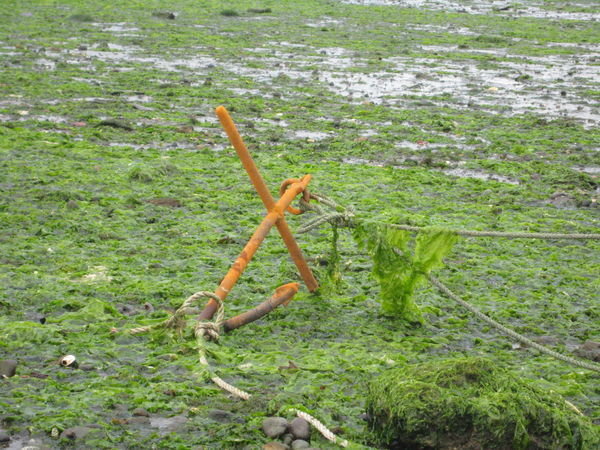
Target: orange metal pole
{"x":265,"y":195}
{"x":249,"y":250}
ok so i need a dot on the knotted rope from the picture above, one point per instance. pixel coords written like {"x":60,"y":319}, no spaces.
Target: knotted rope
{"x":204,"y":331}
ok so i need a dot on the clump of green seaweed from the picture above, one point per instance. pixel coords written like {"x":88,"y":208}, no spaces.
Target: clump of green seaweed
{"x":471,"y":403}
{"x":399,"y":268}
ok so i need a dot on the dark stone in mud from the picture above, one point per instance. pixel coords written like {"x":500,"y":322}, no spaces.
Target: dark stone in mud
{"x":74,"y":433}
{"x":589,"y":350}
{"x":4,"y":437}
{"x":274,"y":426}
{"x":164,"y":15}
{"x":140,"y":412}
{"x":300,"y":428}
{"x":300,"y":443}
{"x":127,"y":310}
{"x":287,"y":438}
{"x":218,"y":415}
{"x":8,"y":368}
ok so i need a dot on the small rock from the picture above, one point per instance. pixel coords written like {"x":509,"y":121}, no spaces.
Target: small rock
{"x":274,"y":426}
{"x":164,"y":15}
{"x":126,"y":310}
{"x":287,"y":438}
{"x":75,"y":432}
{"x":8,"y":368}
{"x":4,"y":437}
{"x":300,"y":443}
{"x":589,"y":350}
{"x":300,"y":428}
{"x":87,"y":367}
{"x":140,"y":412}
{"x":275,"y":446}
{"x":218,"y":415}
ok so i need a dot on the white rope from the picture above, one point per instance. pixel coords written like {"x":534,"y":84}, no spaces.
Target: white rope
{"x":326,"y":432}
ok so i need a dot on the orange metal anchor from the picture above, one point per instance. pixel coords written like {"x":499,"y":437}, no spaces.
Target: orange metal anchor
{"x":274,"y":217}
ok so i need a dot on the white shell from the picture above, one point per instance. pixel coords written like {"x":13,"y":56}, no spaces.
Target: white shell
{"x":67,"y":360}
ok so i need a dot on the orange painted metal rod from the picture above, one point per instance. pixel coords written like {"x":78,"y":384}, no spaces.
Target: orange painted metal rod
{"x":249,"y":250}
{"x":283,"y":295}
{"x":265,"y":195}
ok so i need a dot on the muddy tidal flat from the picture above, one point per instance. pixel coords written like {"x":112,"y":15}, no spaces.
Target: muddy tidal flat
{"x":121,"y":196}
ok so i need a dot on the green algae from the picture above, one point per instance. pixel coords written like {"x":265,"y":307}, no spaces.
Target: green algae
{"x":471,"y":403}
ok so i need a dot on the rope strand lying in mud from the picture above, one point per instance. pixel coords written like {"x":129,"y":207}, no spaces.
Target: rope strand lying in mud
{"x":343,"y":217}
{"x":204,"y":331}
{"x":326,"y":432}
{"x":513,"y":334}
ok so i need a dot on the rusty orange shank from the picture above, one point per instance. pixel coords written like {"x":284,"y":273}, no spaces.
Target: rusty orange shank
{"x":282,"y":296}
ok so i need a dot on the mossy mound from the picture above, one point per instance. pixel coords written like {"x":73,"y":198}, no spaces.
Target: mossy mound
{"x":470,"y":403}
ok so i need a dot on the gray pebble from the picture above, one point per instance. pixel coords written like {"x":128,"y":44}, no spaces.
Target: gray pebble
{"x":140,"y":412}
{"x":287,"y":438}
{"x":300,"y":443}
{"x":274,"y":426}
{"x":8,"y":368}
{"x":300,"y":428}
{"x":4,"y":437}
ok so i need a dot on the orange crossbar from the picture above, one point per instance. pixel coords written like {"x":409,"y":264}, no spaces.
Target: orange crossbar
{"x":274,"y":217}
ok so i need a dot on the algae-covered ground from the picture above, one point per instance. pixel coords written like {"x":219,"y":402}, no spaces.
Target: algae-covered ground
{"x":121,"y":197}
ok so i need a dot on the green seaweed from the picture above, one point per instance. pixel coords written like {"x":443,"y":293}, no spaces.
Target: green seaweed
{"x":471,"y":403}
{"x":398,"y":268}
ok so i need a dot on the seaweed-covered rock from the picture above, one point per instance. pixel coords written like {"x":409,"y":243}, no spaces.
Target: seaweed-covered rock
{"x":471,"y":403}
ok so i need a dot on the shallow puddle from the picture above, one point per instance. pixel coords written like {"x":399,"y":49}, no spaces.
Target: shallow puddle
{"x":537,"y":10}
{"x":455,"y":172}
